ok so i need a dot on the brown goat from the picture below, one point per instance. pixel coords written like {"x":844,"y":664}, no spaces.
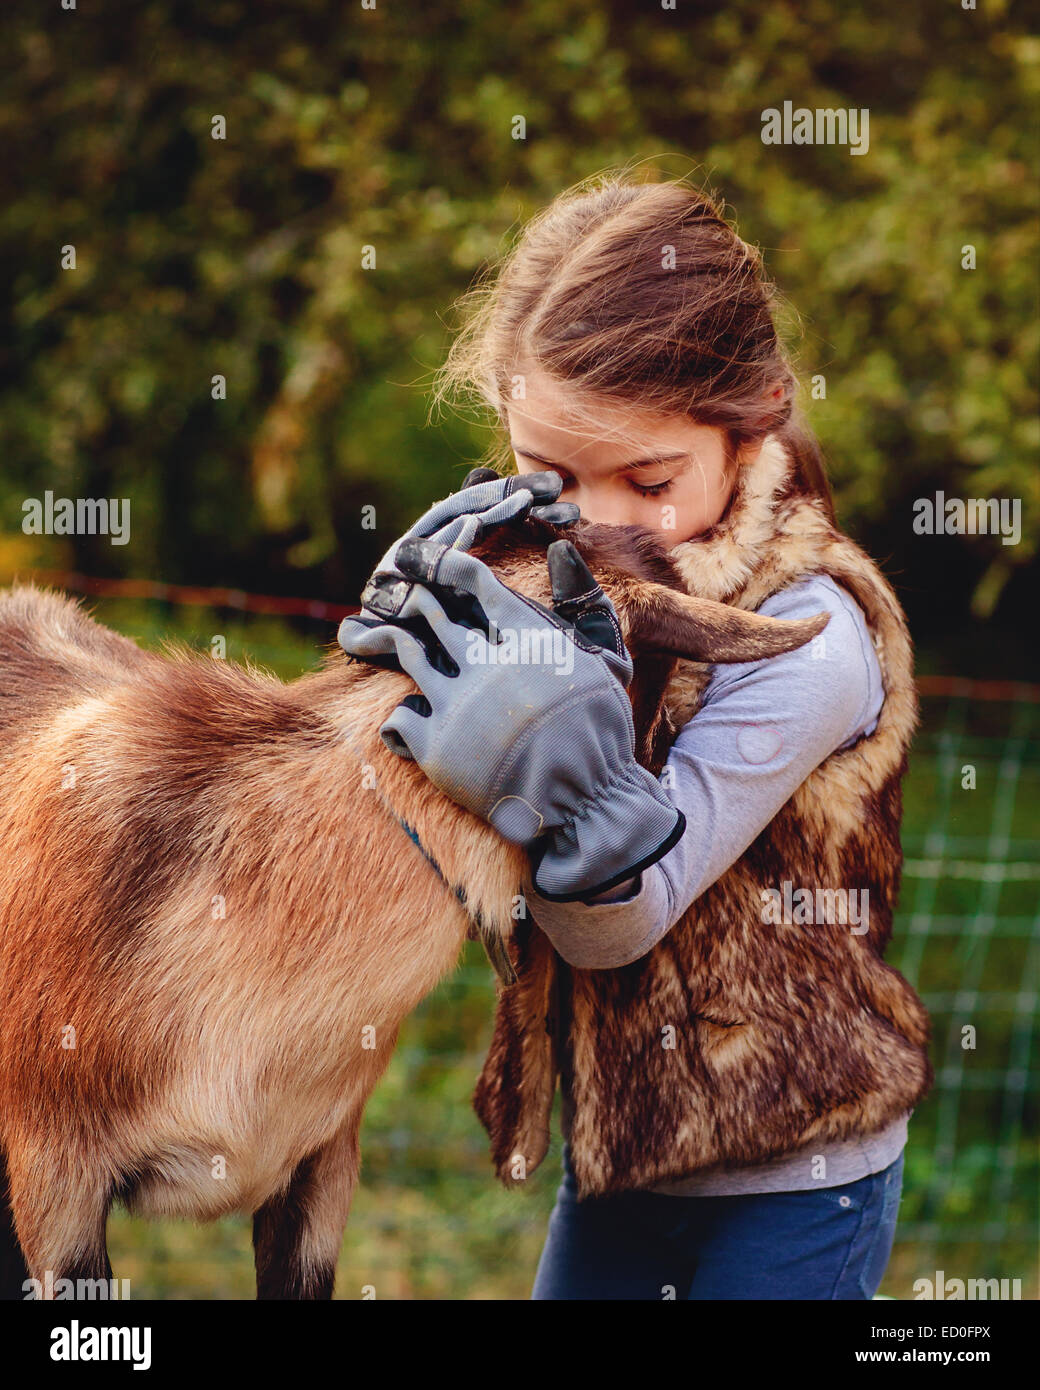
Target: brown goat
{"x":212,"y":921}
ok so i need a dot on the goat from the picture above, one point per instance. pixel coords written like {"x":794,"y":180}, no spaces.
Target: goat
{"x":212,"y":921}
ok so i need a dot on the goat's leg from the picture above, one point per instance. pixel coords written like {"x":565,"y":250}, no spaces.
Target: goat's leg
{"x":14,"y":1272}
{"x":59,"y":1205}
{"x":297,"y":1235}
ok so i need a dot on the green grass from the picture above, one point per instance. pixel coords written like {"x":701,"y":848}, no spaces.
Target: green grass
{"x":431,"y":1221}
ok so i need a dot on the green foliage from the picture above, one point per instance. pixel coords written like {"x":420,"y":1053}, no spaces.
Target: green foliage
{"x":391,"y":128}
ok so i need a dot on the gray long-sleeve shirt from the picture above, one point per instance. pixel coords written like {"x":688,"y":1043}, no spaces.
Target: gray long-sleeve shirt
{"x":761,"y":729}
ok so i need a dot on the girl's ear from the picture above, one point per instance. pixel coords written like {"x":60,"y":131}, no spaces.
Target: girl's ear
{"x":699,"y":629}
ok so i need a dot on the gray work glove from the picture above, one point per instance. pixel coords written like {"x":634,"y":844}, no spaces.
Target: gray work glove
{"x":542,"y":749}
{"x":486,"y":499}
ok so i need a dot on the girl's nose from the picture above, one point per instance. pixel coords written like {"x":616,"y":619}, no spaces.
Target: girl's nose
{"x":607,"y":510}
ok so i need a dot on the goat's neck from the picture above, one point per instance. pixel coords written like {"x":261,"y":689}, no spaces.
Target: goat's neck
{"x":481,"y":872}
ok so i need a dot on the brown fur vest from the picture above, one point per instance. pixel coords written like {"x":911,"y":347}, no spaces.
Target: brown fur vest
{"x":733,"y":1041}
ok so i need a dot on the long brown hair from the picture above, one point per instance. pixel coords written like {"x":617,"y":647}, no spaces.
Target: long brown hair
{"x":640,"y":294}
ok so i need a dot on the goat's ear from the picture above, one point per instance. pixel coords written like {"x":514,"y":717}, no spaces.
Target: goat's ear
{"x":662,"y":620}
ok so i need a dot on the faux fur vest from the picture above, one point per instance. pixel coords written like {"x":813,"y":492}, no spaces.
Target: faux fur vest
{"x":735,"y":1040}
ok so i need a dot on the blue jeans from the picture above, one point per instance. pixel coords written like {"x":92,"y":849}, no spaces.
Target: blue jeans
{"x":829,"y":1242}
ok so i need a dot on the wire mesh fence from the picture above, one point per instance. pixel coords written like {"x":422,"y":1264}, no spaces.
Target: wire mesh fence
{"x":430,"y":1219}
{"x":968,"y":937}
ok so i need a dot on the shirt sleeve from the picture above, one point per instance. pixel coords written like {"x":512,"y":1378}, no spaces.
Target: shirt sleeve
{"x":762,"y":727}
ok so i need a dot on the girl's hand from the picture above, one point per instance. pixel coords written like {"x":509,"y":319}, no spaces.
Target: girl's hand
{"x":485,"y":500}
{"x":541,"y":747}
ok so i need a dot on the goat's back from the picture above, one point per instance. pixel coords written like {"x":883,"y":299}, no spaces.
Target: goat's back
{"x":52,"y":653}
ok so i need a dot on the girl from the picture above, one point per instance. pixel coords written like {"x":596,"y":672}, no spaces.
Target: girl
{"x":737,"y":1063}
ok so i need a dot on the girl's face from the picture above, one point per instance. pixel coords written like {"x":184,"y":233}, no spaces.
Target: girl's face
{"x":667,"y":473}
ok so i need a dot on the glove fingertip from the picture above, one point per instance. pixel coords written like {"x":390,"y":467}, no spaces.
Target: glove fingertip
{"x":558,"y":514}
{"x":396,"y":744}
{"x":479,"y":475}
{"x":570,"y":576}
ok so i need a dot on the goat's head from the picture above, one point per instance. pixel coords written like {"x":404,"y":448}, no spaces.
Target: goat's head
{"x":661,"y":622}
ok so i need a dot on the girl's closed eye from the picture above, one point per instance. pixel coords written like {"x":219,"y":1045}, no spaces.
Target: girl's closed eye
{"x":654,"y":489}
{"x":645,"y":490}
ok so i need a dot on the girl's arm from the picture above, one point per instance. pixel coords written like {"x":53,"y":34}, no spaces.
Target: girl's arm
{"x":762,"y":728}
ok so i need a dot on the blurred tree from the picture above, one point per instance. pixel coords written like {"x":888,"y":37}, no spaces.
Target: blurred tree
{"x":242,"y":257}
